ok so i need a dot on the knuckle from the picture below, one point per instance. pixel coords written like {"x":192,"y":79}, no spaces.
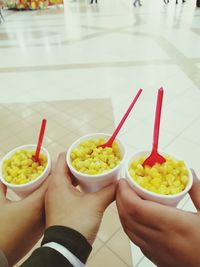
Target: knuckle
{"x":134,"y":211}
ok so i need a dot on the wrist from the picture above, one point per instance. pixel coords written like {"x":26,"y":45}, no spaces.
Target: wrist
{"x":74,"y":241}
{"x":80,"y":228}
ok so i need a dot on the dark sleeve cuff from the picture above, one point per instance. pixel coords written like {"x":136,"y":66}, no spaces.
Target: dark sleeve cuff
{"x":44,"y":256}
{"x":69,"y":238}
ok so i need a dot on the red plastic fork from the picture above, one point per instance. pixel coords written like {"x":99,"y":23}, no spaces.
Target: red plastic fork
{"x":112,"y":138}
{"x":155,"y":157}
{"x":40,"y":139}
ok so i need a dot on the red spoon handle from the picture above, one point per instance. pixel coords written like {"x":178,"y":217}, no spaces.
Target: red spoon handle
{"x":40,"y":139}
{"x":124,"y":117}
{"x":157,"y":119}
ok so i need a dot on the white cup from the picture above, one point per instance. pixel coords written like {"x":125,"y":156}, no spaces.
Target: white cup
{"x":170,"y":200}
{"x":22,"y":190}
{"x":93,"y":183}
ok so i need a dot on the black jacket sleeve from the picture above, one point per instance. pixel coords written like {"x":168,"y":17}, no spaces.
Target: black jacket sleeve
{"x":67,"y":237}
{"x":3,"y":259}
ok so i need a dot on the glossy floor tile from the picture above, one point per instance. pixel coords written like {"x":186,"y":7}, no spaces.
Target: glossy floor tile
{"x":81,"y":65}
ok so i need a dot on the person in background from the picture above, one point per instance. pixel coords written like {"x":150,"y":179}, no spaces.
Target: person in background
{"x":137,"y":2}
{"x":2,"y":5}
{"x":183,"y":1}
{"x":169,"y":237}
{"x":91,"y":2}
{"x":167,"y":1}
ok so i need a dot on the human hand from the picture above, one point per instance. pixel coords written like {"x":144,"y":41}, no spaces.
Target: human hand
{"x":65,"y":205}
{"x":21,"y":223}
{"x":169,"y":237}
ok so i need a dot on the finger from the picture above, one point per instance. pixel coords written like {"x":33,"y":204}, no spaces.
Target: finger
{"x":129,"y":204}
{"x":72,"y":178}
{"x":137,"y":240}
{"x":144,"y":232}
{"x":106,"y":195}
{"x":53,"y":167}
{"x":128,"y":222}
{"x":195,"y":190}
{"x":3,"y":191}
{"x":148,"y":254}
{"x":146,"y":212}
{"x":123,"y":214}
{"x":61,"y":169}
{"x":61,"y":165}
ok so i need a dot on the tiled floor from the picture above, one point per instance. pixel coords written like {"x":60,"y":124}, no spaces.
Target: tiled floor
{"x":81,"y":65}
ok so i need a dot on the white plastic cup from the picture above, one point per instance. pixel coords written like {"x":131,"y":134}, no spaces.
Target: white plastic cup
{"x":170,"y":200}
{"x":93,"y":183}
{"x":22,"y":190}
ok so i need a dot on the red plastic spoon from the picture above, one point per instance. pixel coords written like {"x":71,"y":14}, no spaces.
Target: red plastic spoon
{"x":112,"y":138}
{"x":155,"y":157}
{"x":40,"y":139}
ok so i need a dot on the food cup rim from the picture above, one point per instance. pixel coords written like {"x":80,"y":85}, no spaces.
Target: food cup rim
{"x":10,"y":153}
{"x":90,"y":176}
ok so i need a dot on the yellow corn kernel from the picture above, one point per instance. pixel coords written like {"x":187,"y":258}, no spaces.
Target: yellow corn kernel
{"x":163,"y":190}
{"x":184,"y":171}
{"x":23,"y":181}
{"x":184,"y":179}
{"x":103,"y":158}
{"x":8,"y":179}
{"x":177,"y":183}
{"x":170,"y":178}
{"x":174,"y":190}
{"x":181,"y":163}
{"x":134,"y":164}
{"x":156,"y":182}
{"x":132,"y":172}
{"x":152,"y":189}
{"x":92,"y":171}
{"x":35,"y":165}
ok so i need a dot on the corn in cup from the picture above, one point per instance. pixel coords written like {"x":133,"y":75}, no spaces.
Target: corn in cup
{"x":88,"y":159}
{"x":21,"y":169}
{"x":169,"y":178}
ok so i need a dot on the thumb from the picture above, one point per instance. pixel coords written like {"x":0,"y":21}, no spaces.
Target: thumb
{"x":61,"y":171}
{"x":195,"y":190}
{"x":106,"y":195}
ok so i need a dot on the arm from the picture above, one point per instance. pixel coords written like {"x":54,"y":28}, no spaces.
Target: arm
{"x":169,"y":237}
{"x":21,"y":222}
{"x":76,"y":213}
